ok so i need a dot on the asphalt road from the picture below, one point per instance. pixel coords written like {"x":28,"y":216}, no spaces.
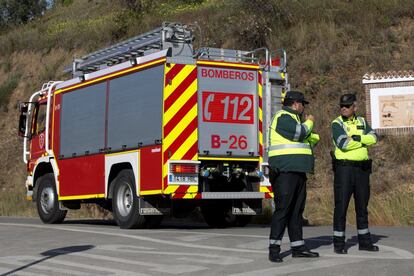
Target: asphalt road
{"x":86,"y":247}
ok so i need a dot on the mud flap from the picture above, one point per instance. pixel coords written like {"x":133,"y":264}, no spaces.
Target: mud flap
{"x":246,"y":207}
{"x":153,"y":207}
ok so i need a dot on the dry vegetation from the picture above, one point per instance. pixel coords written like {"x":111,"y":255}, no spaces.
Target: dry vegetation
{"x":330,"y":45}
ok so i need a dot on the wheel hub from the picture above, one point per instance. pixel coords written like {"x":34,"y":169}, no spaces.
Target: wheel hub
{"x":47,"y":200}
{"x":124,"y":200}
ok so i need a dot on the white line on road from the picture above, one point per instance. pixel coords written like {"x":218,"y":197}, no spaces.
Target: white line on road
{"x":195,"y":238}
{"x":93,"y":269}
{"x":170,"y":268}
{"x":5,"y":271}
{"x":401,"y":254}
{"x":210,"y":234}
{"x":299,"y":267}
{"x":98,"y":269}
{"x":386,"y":252}
{"x":194,"y":257}
{"x":154,"y":240}
{"x":260,"y":244}
{"x":32,"y":262}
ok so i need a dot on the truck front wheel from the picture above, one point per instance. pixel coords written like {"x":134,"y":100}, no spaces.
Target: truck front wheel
{"x":47,"y":200}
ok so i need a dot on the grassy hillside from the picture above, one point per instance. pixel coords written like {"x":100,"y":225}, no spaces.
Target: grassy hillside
{"x":330,"y":46}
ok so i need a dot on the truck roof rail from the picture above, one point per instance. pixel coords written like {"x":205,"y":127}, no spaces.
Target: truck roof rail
{"x":158,"y":39}
{"x":209,"y":53}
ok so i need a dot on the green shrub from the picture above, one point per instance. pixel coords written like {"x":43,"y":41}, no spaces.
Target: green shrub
{"x":6,"y":90}
{"x":7,"y":65}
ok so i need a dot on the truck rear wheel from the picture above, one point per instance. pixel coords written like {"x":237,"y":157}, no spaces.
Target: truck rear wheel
{"x":125,"y":204}
{"x":218,"y":214}
{"x":47,"y":200}
{"x":242,"y":221}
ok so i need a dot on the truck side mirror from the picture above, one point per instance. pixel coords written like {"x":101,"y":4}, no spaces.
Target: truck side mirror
{"x":23,"y":107}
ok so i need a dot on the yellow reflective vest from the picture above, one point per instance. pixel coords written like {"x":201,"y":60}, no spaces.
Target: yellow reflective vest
{"x":291,"y":142}
{"x":348,"y":148}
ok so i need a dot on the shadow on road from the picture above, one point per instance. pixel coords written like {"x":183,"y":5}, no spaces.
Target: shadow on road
{"x":316,"y":242}
{"x":51,"y":254}
{"x":354,"y":240}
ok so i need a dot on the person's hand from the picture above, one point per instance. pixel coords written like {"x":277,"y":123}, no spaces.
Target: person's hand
{"x":310,"y":117}
{"x":356,"y":138}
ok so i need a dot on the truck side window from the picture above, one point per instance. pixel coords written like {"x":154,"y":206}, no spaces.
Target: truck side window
{"x":41,"y":119}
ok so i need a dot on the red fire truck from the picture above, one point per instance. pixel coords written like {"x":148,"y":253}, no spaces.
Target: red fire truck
{"x":151,"y":127}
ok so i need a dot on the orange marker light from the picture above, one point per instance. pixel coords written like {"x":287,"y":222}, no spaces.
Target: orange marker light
{"x":184,"y":168}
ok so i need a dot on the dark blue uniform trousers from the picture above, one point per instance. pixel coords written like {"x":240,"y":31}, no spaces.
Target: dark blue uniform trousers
{"x":350,"y":180}
{"x":289,"y":195}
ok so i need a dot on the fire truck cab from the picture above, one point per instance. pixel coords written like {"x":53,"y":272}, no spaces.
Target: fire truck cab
{"x":151,"y":127}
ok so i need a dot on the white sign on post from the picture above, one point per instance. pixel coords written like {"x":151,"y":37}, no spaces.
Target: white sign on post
{"x":392,"y":107}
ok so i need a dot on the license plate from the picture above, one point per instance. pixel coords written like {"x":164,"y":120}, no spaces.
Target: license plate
{"x":184,"y":178}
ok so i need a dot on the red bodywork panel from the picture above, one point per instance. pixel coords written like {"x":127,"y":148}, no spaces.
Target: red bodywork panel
{"x":82,"y":175}
{"x":150,"y":168}
{"x":37,"y":149}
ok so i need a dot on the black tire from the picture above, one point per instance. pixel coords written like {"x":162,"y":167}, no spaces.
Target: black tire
{"x":125,"y":204}
{"x":242,"y":221}
{"x":47,"y":200}
{"x":152,"y":222}
{"x":218,"y":214}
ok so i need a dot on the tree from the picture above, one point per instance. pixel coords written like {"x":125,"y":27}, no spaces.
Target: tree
{"x":16,"y":12}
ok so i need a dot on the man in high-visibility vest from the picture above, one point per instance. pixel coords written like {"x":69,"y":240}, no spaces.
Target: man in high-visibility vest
{"x":290,"y":158}
{"x":351,"y":136}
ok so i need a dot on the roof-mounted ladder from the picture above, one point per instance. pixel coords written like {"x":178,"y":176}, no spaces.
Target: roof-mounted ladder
{"x":169,"y":35}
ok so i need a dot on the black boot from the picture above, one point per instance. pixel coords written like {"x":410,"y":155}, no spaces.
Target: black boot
{"x":339,"y":245}
{"x":274,"y":253}
{"x":303,"y":252}
{"x":365,"y":243}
